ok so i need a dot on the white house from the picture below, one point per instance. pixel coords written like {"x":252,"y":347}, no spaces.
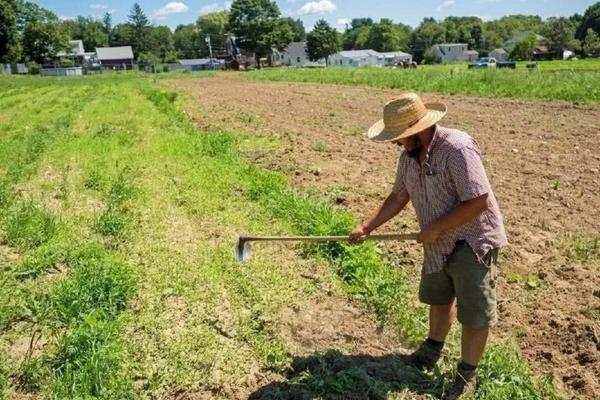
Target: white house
{"x":448,"y":52}
{"x":77,"y":53}
{"x":356,"y":58}
{"x":359,"y":58}
{"x":295,"y":55}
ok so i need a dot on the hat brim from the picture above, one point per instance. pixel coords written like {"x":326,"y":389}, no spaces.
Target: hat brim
{"x":379,"y":133}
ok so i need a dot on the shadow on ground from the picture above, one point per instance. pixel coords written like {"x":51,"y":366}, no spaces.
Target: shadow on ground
{"x":335,"y":376}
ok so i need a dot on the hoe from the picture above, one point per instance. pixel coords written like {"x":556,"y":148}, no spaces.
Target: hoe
{"x":243,"y":250}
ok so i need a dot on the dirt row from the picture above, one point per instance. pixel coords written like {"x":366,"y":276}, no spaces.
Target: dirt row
{"x":542,"y":159}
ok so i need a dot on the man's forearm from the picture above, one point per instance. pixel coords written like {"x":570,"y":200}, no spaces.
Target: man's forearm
{"x":388,"y":210}
{"x":464,"y":213}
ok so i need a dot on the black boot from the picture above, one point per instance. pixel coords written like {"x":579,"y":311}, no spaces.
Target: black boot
{"x":427,"y":355}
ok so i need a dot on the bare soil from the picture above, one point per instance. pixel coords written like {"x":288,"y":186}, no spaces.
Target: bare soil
{"x":542,"y":159}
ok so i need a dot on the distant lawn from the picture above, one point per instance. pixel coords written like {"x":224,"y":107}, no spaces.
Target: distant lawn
{"x":553,"y":80}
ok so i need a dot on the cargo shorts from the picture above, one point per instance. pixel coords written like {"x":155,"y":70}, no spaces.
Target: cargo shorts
{"x":469,"y":281}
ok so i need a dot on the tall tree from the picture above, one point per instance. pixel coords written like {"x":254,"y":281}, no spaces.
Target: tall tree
{"x":322,"y":41}
{"x":591,"y":45}
{"x":8,"y":30}
{"x":141,"y":38}
{"x":428,"y":33}
{"x":188,"y":41}
{"x":89,"y":30}
{"x":299,"y":33}
{"x":163,"y":45}
{"x":253,"y":22}
{"x":107,"y":23}
{"x":357,"y":34}
{"x":590,"y":20}
{"x":42,"y":34}
{"x":560,"y":33}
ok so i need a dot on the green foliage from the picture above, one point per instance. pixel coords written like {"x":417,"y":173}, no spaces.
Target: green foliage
{"x":591,"y":45}
{"x":214,"y":25}
{"x":188,"y":41}
{"x":48,"y":256}
{"x":88,"y":29}
{"x":502,"y":375}
{"x":89,"y":362}
{"x":8,"y":31}
{"x":42,"y":35}
{"x":560,"y":33}
{"x":523,"y":49}
{"x":297,"y":27}
{"x":253,"y":21}
{"x":322,"y":41}
{"x":29,"y":226}
{"x":585,"y":250}
{"x":590,"y":20}
{"x":96,"y":282}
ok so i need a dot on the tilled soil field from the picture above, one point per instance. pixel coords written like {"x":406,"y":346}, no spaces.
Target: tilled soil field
{"x":543,"y":161}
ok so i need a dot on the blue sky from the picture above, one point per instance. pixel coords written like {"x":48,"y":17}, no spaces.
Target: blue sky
{"x":336,"y":12}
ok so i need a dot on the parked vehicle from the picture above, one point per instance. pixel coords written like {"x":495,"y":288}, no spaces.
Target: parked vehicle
{"x":490,"y":62}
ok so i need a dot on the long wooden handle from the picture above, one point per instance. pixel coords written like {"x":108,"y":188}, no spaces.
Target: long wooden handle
{"x":387,"y":236}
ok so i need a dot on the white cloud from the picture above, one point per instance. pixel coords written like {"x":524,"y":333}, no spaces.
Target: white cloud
{"x":485,"y":18}
{"x":317,"y":7}
{"x":446,"y":4}
{"x":99,"y":6}
{"x":174,"y":7}
{"x":215,"y":7}
{"x":65,"y":18}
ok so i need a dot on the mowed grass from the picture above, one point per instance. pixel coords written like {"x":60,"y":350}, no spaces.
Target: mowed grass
{"x":547,"y":83}
{"x":116,"y":266}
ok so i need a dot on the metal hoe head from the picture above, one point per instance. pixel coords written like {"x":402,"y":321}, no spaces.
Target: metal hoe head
{"x":243,"y":250}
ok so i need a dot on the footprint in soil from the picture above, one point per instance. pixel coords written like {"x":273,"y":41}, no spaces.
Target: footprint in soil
{"x":336,"y":376}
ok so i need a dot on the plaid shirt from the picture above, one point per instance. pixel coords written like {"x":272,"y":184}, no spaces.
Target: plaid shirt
{"x":451,"y":173}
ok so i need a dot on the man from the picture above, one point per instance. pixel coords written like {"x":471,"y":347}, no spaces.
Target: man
{"x":440,"y":171}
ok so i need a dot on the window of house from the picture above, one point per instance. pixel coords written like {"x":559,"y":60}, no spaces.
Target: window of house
{"x":297,"y":59}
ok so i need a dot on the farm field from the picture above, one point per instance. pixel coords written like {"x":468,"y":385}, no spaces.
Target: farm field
{"x":554,"y":80}
{"x":122,"y":197}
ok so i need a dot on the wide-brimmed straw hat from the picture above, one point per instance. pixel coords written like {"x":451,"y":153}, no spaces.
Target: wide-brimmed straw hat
{"x":404,"y":116}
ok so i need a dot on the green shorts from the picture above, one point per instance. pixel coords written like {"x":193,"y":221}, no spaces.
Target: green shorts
{"x":471,"y":282}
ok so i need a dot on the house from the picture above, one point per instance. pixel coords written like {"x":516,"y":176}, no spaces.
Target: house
{"x":115,"y":57}
{"x":499,"y":54}
{"x":77,"y":53}
{"x":356,"y":58}
{"x":448,"y":52}
{"x":295,"y":55}
{"x":541,"y":50}
{"x":200,"y":64}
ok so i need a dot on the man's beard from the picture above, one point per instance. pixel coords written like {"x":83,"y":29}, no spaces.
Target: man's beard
{"x":416,"y":151}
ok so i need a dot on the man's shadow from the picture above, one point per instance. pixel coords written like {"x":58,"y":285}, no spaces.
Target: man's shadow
{"x":335,"y":376}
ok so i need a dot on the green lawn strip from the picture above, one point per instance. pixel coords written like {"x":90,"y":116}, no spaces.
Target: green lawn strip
{"x":78,"y":314}
{"x":571,"y":86}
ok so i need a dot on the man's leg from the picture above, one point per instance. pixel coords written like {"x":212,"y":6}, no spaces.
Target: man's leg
{"x":440,"y":321}
{"x":437,"y":291}
{"x":473,"y":344}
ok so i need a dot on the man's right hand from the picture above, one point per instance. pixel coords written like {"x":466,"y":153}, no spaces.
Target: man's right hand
{"x":359,"y":234}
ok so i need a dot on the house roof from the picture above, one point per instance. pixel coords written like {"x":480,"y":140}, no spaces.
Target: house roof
{"x":114,"y":53}
{"x":472,"y":52}
{"x":75,"y":50}
{"x":296,"y":49}
{"x":500,"y":50}
{"x":359,"y":53}
{"x":451,"y":44}
{"x":396,"y":54}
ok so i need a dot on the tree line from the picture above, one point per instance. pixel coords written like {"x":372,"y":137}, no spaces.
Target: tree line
{"x":30,"y":33}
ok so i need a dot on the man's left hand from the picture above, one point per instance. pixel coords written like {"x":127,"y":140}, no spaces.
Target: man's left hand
{"x":429,"y":235}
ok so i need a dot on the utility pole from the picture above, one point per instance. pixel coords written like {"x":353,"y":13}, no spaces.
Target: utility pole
{"x":207,"y":40}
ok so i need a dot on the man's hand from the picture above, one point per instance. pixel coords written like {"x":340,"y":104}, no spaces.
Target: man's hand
{"x":358,"y":234}
{"x":429,"y":235}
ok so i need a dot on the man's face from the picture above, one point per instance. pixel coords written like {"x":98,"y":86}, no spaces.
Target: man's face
{"x":412,"y":145}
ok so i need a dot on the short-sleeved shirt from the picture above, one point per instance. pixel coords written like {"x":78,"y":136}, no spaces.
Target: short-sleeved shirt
{"x":451,"y":173}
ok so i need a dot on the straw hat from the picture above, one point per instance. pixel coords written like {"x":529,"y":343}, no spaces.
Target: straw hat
{"x":404,"y":116}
